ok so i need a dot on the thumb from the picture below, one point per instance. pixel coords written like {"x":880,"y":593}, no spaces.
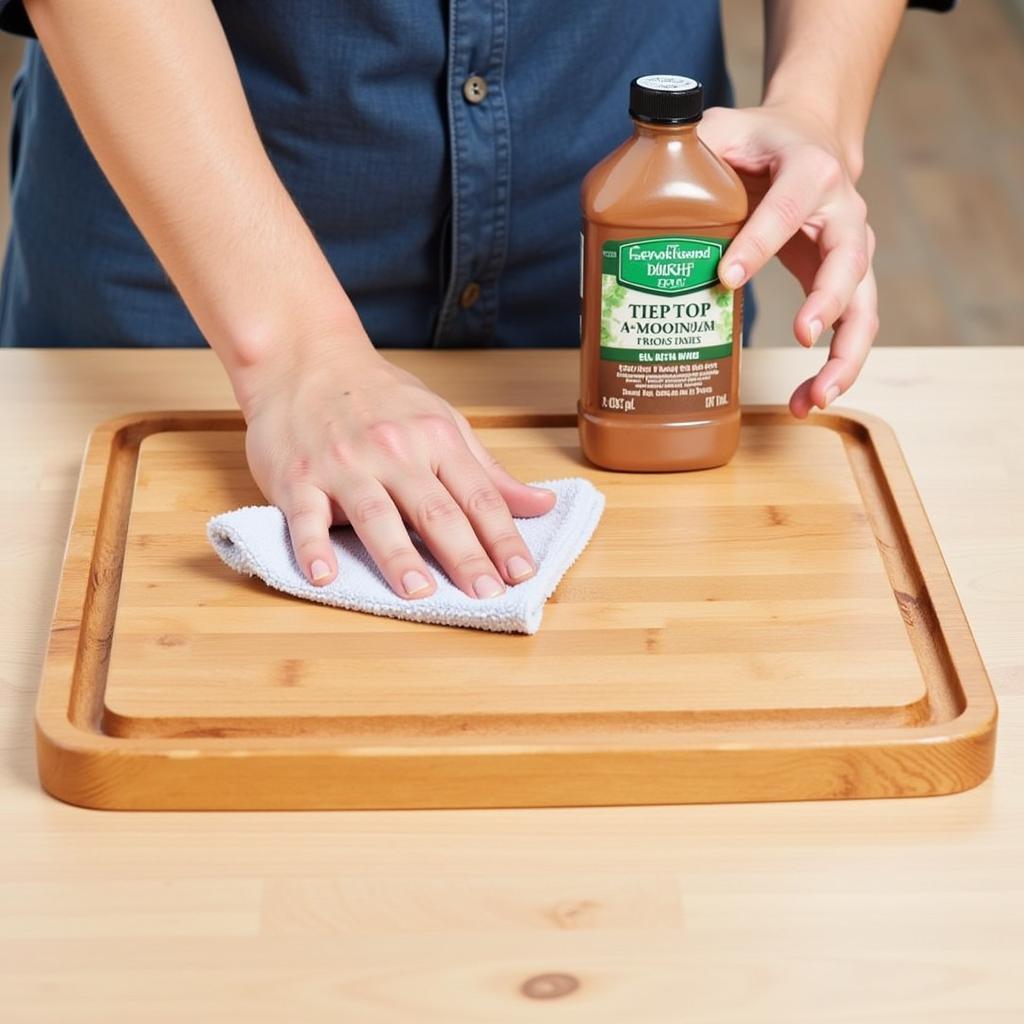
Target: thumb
{"x":719,"y":129}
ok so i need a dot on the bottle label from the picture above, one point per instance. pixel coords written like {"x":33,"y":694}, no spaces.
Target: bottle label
{"x":668,"y":327}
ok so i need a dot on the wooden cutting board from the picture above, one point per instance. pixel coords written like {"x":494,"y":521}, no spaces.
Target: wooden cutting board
{"x":781,"y":628}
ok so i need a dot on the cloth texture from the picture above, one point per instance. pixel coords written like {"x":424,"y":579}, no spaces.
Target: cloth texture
{"x":254,"y":540}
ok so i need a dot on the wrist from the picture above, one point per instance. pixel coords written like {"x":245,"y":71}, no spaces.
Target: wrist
{"x":265,"y":360}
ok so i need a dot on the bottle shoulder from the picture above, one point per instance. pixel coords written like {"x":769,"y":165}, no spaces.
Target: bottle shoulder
{"x":655,"y":183}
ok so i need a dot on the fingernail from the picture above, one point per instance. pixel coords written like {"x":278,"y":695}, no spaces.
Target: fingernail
{"x":733,"y":275}
{"x":415,"y":582}
{"x":831,"y":395}
{"x":487,"y":586}
{"x":815,"y":330}
{"x":519,"y":568}
{"x":319,"y":570}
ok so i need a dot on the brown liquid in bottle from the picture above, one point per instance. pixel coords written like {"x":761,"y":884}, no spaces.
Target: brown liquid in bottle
{"x":660,"y":336}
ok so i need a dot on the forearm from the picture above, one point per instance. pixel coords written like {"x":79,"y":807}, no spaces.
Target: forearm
{"x":827,"y":56}
{"x":154,"y":88}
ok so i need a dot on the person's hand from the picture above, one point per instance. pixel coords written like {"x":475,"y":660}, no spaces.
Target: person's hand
{"x":805,"y":207}
{"x":351,"y":438}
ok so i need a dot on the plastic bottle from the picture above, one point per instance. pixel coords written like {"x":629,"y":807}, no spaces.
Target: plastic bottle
{"x":660,"y":336}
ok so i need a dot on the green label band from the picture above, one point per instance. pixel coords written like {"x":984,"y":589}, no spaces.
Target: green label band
{"x":673,"y":355}
{"x":672,"y":265}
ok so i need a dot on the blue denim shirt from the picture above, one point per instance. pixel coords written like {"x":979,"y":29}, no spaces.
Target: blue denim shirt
{"x":435,"y":148}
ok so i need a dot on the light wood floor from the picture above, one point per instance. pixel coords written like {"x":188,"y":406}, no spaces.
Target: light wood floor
{"x":944,"y":178}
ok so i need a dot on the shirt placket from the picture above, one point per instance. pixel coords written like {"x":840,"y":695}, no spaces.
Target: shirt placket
{"x":478,"y":138}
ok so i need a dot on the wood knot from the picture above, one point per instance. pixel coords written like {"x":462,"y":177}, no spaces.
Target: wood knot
{"x":549,"y":986}
{"x":290,"y":673}
{"x":575,"y":914}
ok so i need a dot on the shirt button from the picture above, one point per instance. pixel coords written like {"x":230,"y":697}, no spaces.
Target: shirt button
{"x":475,"y":89}
{"x":469,"y":295}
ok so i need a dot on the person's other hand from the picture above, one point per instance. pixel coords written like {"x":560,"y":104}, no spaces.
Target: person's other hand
{"x":345,"y":438}
{"x":805,"y":207}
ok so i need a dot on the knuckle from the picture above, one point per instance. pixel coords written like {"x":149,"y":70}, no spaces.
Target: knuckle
{"x":506,"y":539}
{"x":341,"y":452}
{"x":387,"y":437}
{"x":860,"y":261}
{"x":338,"y":441}
{"x":440,"y":428}
{"x":471,"y":563}
{"x":484,"y":500}
{"x":828,"y":170}
{"x":437,"y":509}
{"x":367,"y":510}
{"x":306,"y":516}
{"x":758,"y":246}
{"x":307,"y":545}
{"x":788,"y":212}
{"x":296,"y":469}
{"x":389,"y":557}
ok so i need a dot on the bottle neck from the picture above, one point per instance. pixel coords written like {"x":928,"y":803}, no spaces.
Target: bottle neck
{"x":655,"y":130}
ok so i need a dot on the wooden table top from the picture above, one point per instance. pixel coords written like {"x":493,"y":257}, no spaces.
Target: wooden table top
{"x":868,"y":911}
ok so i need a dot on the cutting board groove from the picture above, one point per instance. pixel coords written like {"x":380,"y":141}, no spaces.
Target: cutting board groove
{"x":780,"y":628}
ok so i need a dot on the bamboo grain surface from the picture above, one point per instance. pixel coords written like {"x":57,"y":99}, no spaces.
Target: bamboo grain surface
{"x":782,"y":627}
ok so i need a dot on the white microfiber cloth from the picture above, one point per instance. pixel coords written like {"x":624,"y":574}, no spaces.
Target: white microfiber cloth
{"x":254,"y":540}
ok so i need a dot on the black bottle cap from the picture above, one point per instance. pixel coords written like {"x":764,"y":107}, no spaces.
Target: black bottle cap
{"x":666,"y":99}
